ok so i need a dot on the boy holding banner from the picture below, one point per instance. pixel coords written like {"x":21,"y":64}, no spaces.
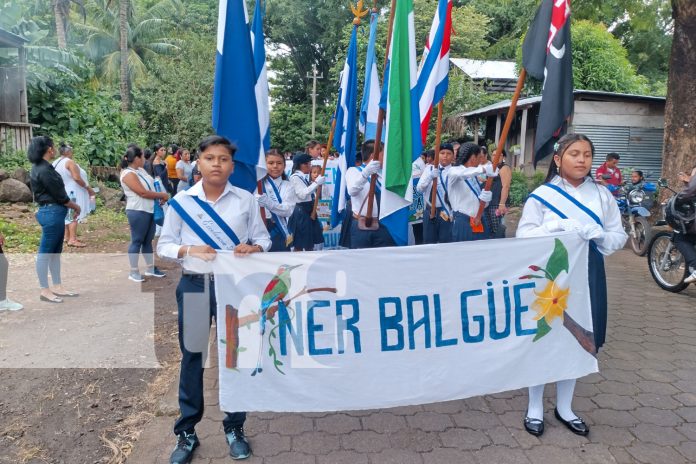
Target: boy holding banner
{"x":278,"y":201}
{"x":439,"y":228}
{"x":212,"y":215}
{"x":358,"y":185}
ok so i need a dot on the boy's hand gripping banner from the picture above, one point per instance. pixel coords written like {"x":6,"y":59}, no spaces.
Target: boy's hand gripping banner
{"x":363,"y":329}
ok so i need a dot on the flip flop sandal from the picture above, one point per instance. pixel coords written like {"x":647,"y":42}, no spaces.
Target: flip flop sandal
{"x":51,"y":300}
{"x":77,"y":244}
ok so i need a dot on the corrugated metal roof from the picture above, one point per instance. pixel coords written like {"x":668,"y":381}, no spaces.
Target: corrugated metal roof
{"x":579,"y":95}
{"x":8,"y":39}
{"x":486,"y":69}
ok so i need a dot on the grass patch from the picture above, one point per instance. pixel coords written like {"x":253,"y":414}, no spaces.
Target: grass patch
{"x":20,"y":238}
{"x":109,"y":225}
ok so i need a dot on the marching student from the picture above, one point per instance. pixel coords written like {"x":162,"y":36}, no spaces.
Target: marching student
{"x":465,"y":193}
{"x":278,"y":201}
{"x":358,"y":185}
{"x":306,"y":232}
{"x":571,"y":200}
{"x":232,"y":217}
{"x":439,"y":228}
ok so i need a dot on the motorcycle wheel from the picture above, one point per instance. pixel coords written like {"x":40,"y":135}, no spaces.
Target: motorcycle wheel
{"x":640,"y":243}
{"x":670,"y":275}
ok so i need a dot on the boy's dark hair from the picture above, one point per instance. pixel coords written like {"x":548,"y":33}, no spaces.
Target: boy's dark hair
{"x":613,"y":156}
{"x":367,"y":148}
{"x":147,"y":153}
{"x":311,"y":144}
{"x":639,"y":172}
{"x":217,"y":140}
{"x":38,"y":147}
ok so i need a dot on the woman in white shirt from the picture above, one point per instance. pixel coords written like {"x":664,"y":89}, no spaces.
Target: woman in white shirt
{"x":139,"y":188}
{"x":77,"y":188}
{"x":571,"y":200}
{"x":278,"y":201}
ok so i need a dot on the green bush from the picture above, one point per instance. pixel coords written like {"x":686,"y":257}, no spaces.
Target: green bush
{"x":90,"y":121}
{"x":11,"y":159}
{"x":519,"y":189}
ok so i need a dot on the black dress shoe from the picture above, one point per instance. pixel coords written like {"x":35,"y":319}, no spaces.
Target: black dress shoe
{"x":577,"y":425}
{"x":534,"y":426}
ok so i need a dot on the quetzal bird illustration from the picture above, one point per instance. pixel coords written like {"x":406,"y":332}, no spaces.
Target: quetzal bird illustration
{"x":275,"y":292}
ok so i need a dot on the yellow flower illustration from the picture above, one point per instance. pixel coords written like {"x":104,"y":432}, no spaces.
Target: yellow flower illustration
{"x":551,"y":302}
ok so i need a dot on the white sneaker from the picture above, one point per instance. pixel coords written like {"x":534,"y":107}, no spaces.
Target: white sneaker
{"x":691,"y":278}
{"x":9,"y":305}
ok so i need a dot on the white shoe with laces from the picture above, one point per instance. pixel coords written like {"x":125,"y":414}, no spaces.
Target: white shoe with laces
{"x":9,"y":305}
{"x":691,"y":278}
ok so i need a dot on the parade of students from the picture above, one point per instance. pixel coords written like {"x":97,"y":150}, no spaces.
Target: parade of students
{"x":437,"y":229}
{"x":230,"y":215}
{"x":358,"y":186}
{"x":277,"y":200}
{"x":571,"y":201}
{"x":306,"y":232}
{"x":466,"y":194}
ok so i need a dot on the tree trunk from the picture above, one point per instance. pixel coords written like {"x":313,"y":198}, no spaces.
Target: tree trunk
{"x":123,"y":30}
{"x":680,"y":118}
{"x":60,"y":24}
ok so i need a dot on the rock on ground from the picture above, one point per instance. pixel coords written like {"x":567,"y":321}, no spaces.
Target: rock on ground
{"x":14,"y":191}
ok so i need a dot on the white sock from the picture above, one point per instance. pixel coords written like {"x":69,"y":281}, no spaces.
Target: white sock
{"x":564,"y":399}
{"x":535,"y":409}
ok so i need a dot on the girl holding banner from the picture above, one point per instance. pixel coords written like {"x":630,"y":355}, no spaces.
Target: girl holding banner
{"x":571,"y":200}
{"x":278,"y":202}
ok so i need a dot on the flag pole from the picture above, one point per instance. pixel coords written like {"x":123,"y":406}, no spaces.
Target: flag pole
{"x":438,"y":140}
{"x":259,"y":188}
{"x":323,"y":166}
{"x":503,"y":137}
{"x":381,"y":115}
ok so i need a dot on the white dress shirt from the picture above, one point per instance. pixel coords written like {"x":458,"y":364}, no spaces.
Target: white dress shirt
{"x":538,"y":220}
{"x":237,"y":207}
{"x":301,"y":187}
{"x":358,"y":189}
{"x":462,"y":185}
{"x":425,"y":184}
{"x":282,"y":209}
{"x":417,"y":167}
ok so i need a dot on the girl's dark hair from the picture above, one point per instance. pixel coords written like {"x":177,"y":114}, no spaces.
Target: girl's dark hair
{"x":217,"y":140}
{"x":639,"y":172}
{"x":147,"y":153}
{"x":132,"y":153}
{"x":560,"y":148}
{"x":156,"y":147}
{"x":466,"y":151}
{"x":38,"y":148}
{"x":274,"y":152}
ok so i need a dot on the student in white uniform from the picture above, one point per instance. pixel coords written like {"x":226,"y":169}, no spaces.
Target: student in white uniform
{"x":278,"y":202}
{"x":306,"y":232}
{"x":212,"y":215}
{"x":465,"y":193}
{"x":571,"y":200}
{"x":358,"y":186}
{"x":439,"y":228}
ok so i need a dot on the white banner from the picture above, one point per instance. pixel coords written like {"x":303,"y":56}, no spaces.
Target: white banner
{"x":378,"y":328}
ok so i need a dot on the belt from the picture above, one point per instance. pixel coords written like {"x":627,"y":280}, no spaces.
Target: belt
{"x":199,"y":277}
{"x":357,"y":216}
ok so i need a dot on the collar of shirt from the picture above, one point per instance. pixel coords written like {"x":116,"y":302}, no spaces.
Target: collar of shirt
{"x":197,"y":191}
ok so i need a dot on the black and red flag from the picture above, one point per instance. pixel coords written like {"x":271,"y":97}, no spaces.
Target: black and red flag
{"x":546,"y":55}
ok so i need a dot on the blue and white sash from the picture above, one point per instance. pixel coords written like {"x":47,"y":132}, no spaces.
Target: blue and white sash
{"x":303,"y":178}
{"x":476,"y":189}
{"x":564,"y":205}
{"x":441,"y":198}
{"x":280,"y":222}
{"x":205,"y":222}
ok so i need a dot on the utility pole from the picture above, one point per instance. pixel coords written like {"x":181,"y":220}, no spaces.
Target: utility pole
{"x":314,"y":78}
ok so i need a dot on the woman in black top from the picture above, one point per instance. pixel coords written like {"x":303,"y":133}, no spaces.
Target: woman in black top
{"x":49,"y":193}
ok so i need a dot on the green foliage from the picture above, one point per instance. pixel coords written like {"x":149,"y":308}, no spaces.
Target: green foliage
{"x":521,"y":186}
{"x":509,"y":20}
{"x":176,"y":100}
{"x":11,"y":159}
{"x":88,"y":120}
{"x":20,"y":238}
{"x":291,"y":125}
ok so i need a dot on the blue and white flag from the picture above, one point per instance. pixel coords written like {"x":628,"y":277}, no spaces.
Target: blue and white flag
{"x":237,"y":113}
{"x":369,"y":109}
{"x":259,"y":50}
{"x":345,"y":136}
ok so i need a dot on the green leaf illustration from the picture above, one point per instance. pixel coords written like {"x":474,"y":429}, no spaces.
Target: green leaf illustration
{"x":542,"y":329}
{"x":558,"y":261}
{"x":278,"y":362}
{"x":270,"y":319}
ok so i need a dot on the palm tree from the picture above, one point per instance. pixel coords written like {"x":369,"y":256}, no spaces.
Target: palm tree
{"x":123,"y":41}
{"x":61,"y":12}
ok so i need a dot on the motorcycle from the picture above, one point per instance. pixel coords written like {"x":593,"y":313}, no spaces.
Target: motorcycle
{"x":666,"y":263}
{"x":634,"y":203}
